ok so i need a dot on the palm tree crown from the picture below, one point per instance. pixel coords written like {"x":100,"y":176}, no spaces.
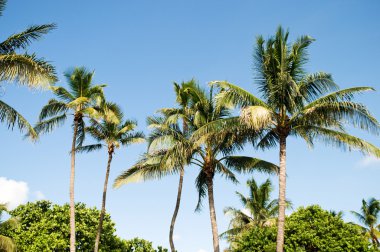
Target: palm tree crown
{"x":81,"y":100}
{"x":258,"y":210}
{"x":112,"y":132}
{"x":369,"y":217}
{"x":23,"y":69}
{"x":294,"y":103}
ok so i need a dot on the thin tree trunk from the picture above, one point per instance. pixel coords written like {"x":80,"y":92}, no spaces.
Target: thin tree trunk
{"x":176,"y":210}
{"x":103,"y":211}
{"x":215,"y":237}
{"x":72,"y":179}
{"x":281,"y":197}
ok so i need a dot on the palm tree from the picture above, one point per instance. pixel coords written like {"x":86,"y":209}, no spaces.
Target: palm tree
{"x":79,"y":101}
{"x":24,"y":69}
{"x":112,"y":132}
{"x":214,"y":152}
{"x":295,"y":103}
{"x":169,"y":151}
{"x":6,"y":243}
{"x":369,"y":216}
{"x":259,"y":210}
{"x":176,"y":154}
{"x":184,"y":112}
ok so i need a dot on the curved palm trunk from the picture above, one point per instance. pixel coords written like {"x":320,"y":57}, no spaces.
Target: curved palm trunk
{"x":103,"y":210}
{"x":72,"y":179}
{"x":281,"y":197}
{"x":176,"y":210}
{"x":215,"y":238}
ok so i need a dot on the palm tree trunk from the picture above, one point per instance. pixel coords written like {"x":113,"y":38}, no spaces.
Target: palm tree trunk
{"x":103,"y":210}
{"x":72,"y":179}
{"x":215,"y":237}
{"x":176,"y":210}
{"x":281,"y":197}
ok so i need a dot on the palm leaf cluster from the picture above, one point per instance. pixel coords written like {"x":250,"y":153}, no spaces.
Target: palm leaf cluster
{"x":369,"y":218}
{"x":172,"y":147}
{"x":81,"y":100}
{"x":24,"y":69}
{"x":258,"y":210}
{"x":294,"y":103}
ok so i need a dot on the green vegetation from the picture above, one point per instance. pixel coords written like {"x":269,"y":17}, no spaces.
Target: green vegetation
{"x":259,"y":210}
{"x":45,"y":227}
{"x":80,"y":101}
{"x":307,"y":229}
{"x":24,"y":69}
{"x":369,"y":216}
{"x":294,"y":103}
{"x":213,"y":155}
{"x":112,"y":132}
{"x":6,"y":242}
{"x":202,"y":130}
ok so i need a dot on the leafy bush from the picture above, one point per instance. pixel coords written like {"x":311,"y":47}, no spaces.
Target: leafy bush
{"x":307,"y":230}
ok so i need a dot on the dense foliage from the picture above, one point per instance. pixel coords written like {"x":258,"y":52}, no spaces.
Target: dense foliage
{"x":45,"y":227}
{"x":140,"y":245}
{"x":307,"y":229}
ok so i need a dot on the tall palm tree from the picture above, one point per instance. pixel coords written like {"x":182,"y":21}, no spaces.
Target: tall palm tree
{"x":294,"y":103}
{"x":6,"y":243}
{"x":169,"y":151}
{"x":259,"y":209}
{"x":112,"y":131}
{"x":214,"y":152}
{"x":24,"y":69}
{"x":79,"y":101}
{"x":212,"y":158}
{"x":183,"y":112}
{"x":369,"y":217}
{"x":176,"y":154}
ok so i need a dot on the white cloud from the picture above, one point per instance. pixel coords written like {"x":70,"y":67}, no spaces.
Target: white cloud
{"x":12,"y":192}
{"x":176,"y":237}
{"x":201,"y":250}
{"x":369,"y":161}
{"x":39,"y":195}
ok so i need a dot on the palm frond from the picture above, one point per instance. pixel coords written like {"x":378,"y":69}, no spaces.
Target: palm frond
{"x":53,"y":108}
{"x":147,"y":168}
{"x":131,"y":138}
{"x":63,"y":94}
{"x":81,"y":133}
{"x":329,"y":114}
{"x":340,"y":95}
{"x":88,"y":148}
{"x":232,"y":95}
{"x":338,"y":139}
{"x":27,"y":70}
{"x":50,"y":124}
{"x":269,"y":140}
{"x":201,"y":186}
{"x":11,"y":117}
{"x":23,"y":39}
{"x":2,"y":6}
{"x":314,"y":85}
{"x":246,"y":164}
{"x":226,"y":173}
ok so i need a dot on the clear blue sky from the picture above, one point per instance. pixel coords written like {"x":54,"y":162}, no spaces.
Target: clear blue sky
{"x":139,"y":48}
